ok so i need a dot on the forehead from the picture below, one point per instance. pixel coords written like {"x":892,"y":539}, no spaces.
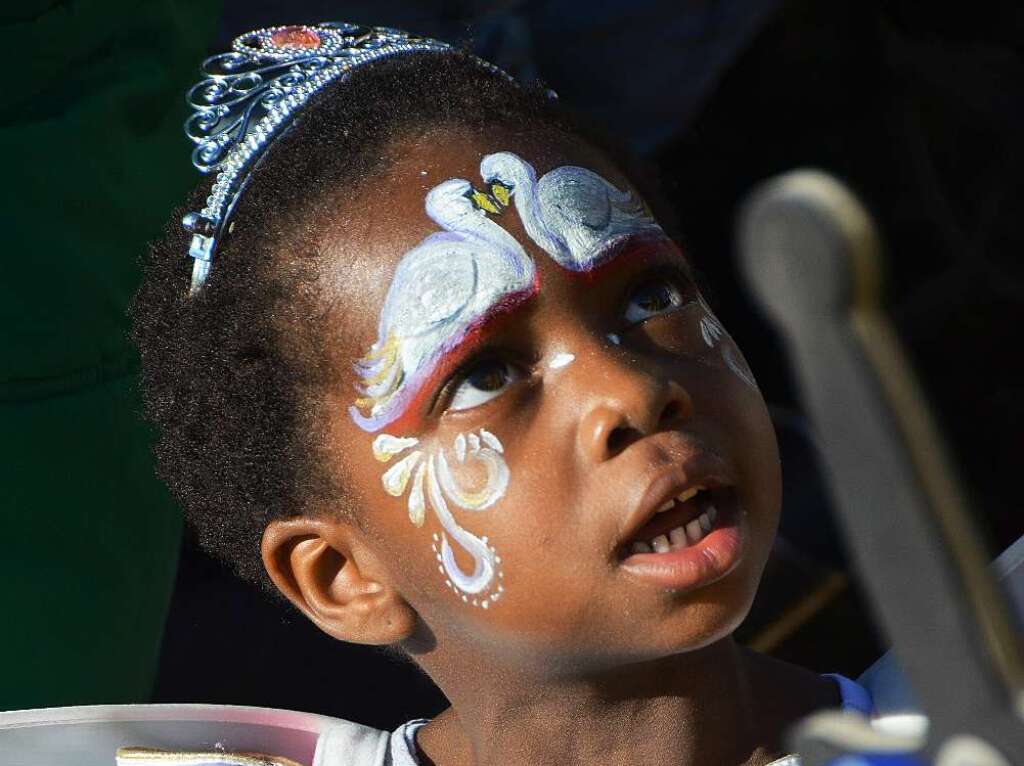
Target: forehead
{"x":387,"y":218}
{"x":430,"y":263}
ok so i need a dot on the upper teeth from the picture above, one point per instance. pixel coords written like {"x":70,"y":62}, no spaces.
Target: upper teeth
{"x":682,"y":497}
{"x":686,"y":494}
{"x":681,"y":536}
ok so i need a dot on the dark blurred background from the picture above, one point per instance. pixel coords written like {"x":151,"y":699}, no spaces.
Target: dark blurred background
{"x":918,"y":108}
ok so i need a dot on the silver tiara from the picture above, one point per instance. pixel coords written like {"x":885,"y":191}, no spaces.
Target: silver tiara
{"x":249,"y":96}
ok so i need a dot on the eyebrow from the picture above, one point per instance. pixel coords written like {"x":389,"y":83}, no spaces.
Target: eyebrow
{"x":448,"y":359}
{"x":633,"y":250}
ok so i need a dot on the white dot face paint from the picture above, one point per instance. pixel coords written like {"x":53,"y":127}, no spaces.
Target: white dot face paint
{"x":561,"y":360}
{"x":434,"y":482}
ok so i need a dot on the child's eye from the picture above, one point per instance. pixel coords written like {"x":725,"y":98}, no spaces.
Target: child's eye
{"x":658,"y":296}
{"x":482,"y":382}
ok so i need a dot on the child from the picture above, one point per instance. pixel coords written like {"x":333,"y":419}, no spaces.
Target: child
{"x":444,"y":380}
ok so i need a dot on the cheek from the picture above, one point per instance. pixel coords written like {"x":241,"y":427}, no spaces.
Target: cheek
{"x":717,"y":339}
{"x":746,"y":415}
{"x":450,"y":486}
{"x":757,"y":458}
{"x":696,"y":331}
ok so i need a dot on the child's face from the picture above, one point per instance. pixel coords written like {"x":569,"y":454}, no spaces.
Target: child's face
{"x":519,"y":396}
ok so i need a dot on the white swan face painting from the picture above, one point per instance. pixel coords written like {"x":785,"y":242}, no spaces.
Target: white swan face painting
{"x":449,"y":286}
{"x":444,"y":292}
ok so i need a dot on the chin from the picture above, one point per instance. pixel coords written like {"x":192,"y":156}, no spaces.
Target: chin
{"x":714,"y":612}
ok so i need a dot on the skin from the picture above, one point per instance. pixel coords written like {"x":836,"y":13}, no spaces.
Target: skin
{"x":579,"y":662}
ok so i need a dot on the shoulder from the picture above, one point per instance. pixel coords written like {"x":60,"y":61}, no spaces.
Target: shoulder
{"x":346,"y":743}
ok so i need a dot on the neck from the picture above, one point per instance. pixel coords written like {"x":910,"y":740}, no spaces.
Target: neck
{"x":715,"y":705}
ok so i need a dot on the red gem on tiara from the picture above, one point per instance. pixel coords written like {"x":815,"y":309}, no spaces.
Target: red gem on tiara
{"x":296,"y":38}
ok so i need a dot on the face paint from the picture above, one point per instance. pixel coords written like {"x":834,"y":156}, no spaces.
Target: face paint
{"x":561,"y":360}
{"x":444,"y":289}
{"x":736,"y":363}
{"x":443,"y":294}
{"x":434,"y":481}
{"x":712,"y":331}
{"x":710,"y":328}
{"x":386,"y":447}
{"x":453,"y":282}
{"x":571,"y":213}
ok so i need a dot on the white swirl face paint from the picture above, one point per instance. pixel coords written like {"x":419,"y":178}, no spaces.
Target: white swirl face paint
{"x":710,"y":328}
{"x":386,"y":447}
{"x":712,"y":332}
{"x":738,"y":365}
{"x":431,"y":480}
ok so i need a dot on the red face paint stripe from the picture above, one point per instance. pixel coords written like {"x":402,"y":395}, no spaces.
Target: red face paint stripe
{"x":476,"y":334}
{"x":622,"y":255}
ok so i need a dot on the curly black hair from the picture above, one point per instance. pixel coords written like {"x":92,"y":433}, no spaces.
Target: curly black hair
{"x":230,"y":375}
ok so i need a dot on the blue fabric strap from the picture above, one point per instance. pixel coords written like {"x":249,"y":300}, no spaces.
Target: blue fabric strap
{"x":855,"y":697}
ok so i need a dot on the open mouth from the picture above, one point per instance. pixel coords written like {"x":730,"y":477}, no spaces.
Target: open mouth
{"x":681,"y":522}
{"x":693,"y":540}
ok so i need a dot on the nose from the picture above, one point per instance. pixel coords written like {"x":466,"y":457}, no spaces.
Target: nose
{"x":631,"y":403}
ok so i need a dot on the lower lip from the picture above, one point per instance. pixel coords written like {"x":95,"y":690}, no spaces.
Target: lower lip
{"x":711,"y":559}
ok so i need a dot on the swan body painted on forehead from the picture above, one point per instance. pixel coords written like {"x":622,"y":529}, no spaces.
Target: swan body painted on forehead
{"x":571,"y":213}
{"x":444,"y":286}
{"x":455,"y":280}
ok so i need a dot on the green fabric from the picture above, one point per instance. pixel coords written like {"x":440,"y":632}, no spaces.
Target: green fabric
{"x":94,"y":160}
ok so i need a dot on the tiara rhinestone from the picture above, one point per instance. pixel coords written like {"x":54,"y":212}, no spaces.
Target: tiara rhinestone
{"x":295,"y":38}
{"x":249,"y":96}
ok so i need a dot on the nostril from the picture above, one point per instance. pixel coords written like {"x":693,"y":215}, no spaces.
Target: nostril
{"x":673,"y":411}
{"x":620,"y":438}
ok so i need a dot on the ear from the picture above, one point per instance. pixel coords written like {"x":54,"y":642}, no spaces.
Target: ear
{"x":326,"y":569}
